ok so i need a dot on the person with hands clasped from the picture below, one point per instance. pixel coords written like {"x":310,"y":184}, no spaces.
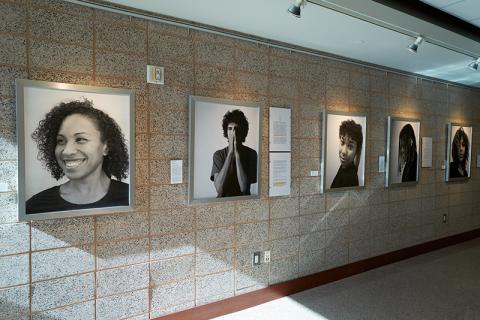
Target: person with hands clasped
{"x":235,"y":166}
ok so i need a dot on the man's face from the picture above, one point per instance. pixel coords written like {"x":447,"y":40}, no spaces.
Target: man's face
{"x":347,"y":150}
{"x":232,"y":130}
{"x":461,"y":150}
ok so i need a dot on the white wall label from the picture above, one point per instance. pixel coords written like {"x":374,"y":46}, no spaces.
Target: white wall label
{"x":279,"y":174}
{"x":3,"y":187}
{"x":381,"y":164}
{"x":176,"y":168}
{"x":427,"y":152}
{"x":280,"y":129}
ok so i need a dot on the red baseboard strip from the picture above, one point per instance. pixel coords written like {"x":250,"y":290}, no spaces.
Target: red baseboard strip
{"x":280,"y":290}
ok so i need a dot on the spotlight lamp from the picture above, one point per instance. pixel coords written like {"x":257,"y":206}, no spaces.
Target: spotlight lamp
{"x":295,"y":9}
{"x":474,"y":64}
{"x":414,"y":46}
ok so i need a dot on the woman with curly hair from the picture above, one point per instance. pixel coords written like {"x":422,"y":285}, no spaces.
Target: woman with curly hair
{"x":407,"y":154}
{"x":87,"y":146}
{"x":460,"y":152}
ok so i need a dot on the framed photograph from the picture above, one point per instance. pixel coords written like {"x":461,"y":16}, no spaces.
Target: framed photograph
{"x":459,"y":152}
{"x":76,"y":150}
{"x":224,"y":150}
{"x":343,"y":155}
{"x":403,"y":151}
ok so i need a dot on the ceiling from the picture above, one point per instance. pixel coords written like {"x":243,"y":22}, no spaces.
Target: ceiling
{"x":468,"y":10}
{"x":362,"y":30}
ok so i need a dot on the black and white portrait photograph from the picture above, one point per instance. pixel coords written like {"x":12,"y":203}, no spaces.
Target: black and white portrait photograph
{"x":75,"y":147}
{"x":224,"y":149}
{"x":459,"y":144}
{"x":344,"y":153}
{"x":403,"y":148}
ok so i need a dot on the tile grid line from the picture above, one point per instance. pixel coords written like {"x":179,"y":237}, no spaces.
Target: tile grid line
{"x":95,"y":221}
{"x":149,"y":130}
{"x":28,"y":67}
{"x":235,"y":227}
{"x":195,"y":70}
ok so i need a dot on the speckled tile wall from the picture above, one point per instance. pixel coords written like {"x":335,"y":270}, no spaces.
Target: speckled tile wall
{"x":168,"y":256}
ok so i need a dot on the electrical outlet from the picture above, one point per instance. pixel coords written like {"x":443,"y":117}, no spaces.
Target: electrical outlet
{"x":266,"y":256}
{"x":444,"y":219}
{"x":256,"y":258}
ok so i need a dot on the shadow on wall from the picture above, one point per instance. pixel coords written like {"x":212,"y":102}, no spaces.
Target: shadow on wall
{"x":11,"y":311}
{"x":178,"y":274}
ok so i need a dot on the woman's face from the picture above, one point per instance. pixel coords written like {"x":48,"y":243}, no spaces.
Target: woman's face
{"x":461,"y":150}
{"x":347,"y":150}
{"x":79,"y":149}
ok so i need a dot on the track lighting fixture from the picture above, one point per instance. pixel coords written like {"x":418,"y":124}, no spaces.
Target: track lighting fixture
{"x":295,"y":9}
{"x":414,"y":46}
{"x":474,"y":64}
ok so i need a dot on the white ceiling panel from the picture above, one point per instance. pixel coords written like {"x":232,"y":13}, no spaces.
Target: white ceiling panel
{"x":476,"y":22}
{"x":331,"y":31}
{"x":440,"y":3}
{"x":466,"y":9}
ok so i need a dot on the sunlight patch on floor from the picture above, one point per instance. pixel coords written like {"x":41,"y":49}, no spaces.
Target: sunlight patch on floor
{"x":280,"y":309}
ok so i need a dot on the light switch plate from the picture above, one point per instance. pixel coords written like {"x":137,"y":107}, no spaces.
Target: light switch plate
{"x":155,"y":74}
{"x":256,"y":258}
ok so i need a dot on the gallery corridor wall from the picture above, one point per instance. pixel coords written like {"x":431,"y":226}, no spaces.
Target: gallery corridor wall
{"x":167,"y":256}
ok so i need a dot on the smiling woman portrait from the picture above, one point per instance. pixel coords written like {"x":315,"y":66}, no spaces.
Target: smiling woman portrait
{"x":87,"y":146}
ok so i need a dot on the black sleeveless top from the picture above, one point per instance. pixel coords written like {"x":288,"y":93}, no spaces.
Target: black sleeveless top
{"x":49,"y":200}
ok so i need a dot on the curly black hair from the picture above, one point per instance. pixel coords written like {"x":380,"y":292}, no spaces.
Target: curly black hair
{"x":236,"y":116}
{"x":115,"y":163}
{"x":407,"y":146}
{"x":459,"y":135}
{"x":354,"y":131}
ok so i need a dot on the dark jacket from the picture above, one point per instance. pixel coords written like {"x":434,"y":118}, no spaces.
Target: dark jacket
{"x":346,"y":177}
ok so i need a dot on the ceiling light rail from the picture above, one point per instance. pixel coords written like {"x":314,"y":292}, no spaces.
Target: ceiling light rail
{"x":295,"y":10}
{"x":143,"y":14}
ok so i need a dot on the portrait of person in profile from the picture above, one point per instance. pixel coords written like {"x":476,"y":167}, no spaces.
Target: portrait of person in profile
{"x":407,"y":154}
{"x":84,"y":144}
{"x":349,"y":152}
{"x":460,"y":152}
{"x":234,"y":167}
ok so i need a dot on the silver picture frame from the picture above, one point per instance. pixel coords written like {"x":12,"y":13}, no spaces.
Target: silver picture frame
{"x":330,"y":152}
{"x":454,"y":131}
{"x":397,"y":132}
{"x":206,"y":138}
{"x":35,"y":99}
